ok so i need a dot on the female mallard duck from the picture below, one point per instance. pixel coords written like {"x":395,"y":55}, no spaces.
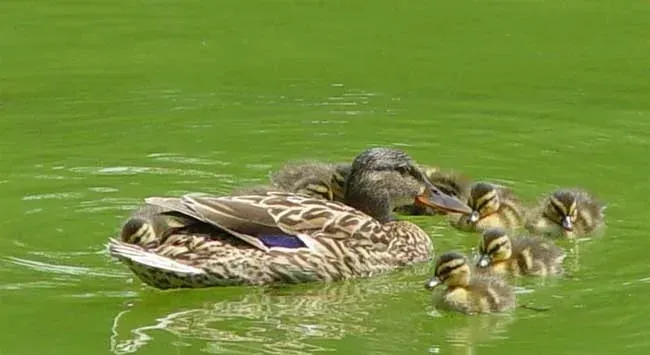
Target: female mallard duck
{"x":450,"y":182}
{"x":567,"y":213}
{"x":288,"y":238}
{"x":467,"y":293}
{"x":501,"y":255}
{"x":492,"y":206}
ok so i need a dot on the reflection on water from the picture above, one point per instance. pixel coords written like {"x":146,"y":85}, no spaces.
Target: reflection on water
{"x":268,"y":320}
{"x":463,"y":334}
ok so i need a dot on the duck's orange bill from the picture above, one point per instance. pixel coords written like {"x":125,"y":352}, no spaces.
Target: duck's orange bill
{"x":440,"y":200}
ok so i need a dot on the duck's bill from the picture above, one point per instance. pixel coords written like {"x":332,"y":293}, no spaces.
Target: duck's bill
{"x":431,"y":284}
{"x":432,"y":197}
{"x":567,"y":224}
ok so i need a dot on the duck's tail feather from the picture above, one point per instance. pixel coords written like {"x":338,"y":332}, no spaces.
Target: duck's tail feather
{"x":137,"y":255}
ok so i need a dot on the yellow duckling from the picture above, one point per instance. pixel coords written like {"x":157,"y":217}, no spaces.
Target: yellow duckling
{"x":568,"y":213}
{"x":467,"y":293}
{"x":501,"y":255}
{"x":492,"y":206}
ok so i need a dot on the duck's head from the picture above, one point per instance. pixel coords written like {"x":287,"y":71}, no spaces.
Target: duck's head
{"x":483,"y":200}
{"x":382,"y":178}
{"x":494,"y":246}
{"x":452,"y":269}
{"x":562,"y":208}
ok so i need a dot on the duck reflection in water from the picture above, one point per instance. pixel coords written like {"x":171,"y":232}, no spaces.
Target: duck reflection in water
{"x":274,"y":319}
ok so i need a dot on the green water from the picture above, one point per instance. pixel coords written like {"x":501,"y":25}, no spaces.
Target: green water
{"x":103,"y":103}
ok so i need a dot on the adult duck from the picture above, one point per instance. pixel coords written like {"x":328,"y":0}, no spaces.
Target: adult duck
{"x":280,"y":237}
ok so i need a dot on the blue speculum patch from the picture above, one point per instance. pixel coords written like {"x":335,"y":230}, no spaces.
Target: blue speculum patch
{"x":281,"y":241}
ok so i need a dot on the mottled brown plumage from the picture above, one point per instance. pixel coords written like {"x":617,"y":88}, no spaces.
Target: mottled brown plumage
{"x":567,"y":213}
{"x":282,"y":237}
{"x":467,"y":292}
{"x":493,"y":206}
{"x":501,"y":255}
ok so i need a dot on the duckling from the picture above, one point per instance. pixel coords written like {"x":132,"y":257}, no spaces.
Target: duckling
{"x":311,"y":186}
{"x":568,"y":213}
{"x":467,"y":293}
{"x":450,"y":182}
{"x":501,"y":255}
{"x":337,"y":183}
{"x":293,"y":176}
{"x":149,"y":224}
{"x":492,"y":206}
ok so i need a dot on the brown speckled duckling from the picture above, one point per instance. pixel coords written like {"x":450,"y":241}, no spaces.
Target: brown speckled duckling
{"x":567,"y":213}
{"x":469,"y":293}
{"x":492,"y":206}
{"x":501,"y":255}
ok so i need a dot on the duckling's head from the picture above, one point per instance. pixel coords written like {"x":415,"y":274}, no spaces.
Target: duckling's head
{"x":430,"y":171}
{"x":383,"y":178}
{"x":313,"y":186}
{"x":494,"y":246}
{"x":341,"y":172}
{"x":452,"y":269}
{"x":137,"y":231}
{"x":562,"y":208}
{"x":483,"y":200}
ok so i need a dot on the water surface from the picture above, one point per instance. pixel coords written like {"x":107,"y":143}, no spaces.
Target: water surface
{"x":105,"y":103}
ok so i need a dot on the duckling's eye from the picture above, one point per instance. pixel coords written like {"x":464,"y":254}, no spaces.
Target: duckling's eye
{"x":443,"y":271}
{"x":485,"y":203}
{"x":557,"y":210}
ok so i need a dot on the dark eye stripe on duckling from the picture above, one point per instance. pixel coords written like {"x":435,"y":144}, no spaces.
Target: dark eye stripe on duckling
{"x":448,"y":267}
{"x":485,"y":200}
{"x":496,"y":247}
{"x":559,"y":207}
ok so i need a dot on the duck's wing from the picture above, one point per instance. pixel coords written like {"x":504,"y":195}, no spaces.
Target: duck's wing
{"x":274,"y":220}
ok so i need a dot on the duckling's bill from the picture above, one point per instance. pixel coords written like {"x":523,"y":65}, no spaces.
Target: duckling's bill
{"x":431,"y":284}
{"x":483,"y":261}
{"x":433,"y":197}
{"x":567,"y":224}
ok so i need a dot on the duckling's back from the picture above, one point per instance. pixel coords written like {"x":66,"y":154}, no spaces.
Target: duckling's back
{"x":289,"y":174}
{"x":536,"y":256}
{"x":484,"y":294}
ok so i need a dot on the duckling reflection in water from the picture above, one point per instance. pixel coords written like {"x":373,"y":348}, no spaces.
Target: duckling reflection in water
{"x":492,"y":206}
{"x":501,"y":255}
{"x":568,"y":213}
{"x":466,"y":292}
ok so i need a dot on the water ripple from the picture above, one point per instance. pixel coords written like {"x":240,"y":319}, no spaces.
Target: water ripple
{"x":134,"y":170}
{"x":53,"y":196}
{"x":64,"y":269}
